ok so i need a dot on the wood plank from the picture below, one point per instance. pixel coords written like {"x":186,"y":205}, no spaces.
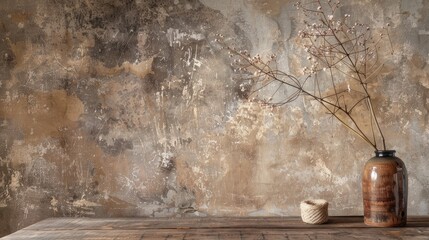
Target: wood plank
{"x":216,"y":222}
{"x":216,"y":228}
{"x":222,"y":234}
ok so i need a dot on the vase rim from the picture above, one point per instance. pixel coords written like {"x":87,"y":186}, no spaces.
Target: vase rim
{"x":385,"y":153}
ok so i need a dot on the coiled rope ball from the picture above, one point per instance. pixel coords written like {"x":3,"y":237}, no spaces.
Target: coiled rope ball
{"x":314,"y":211}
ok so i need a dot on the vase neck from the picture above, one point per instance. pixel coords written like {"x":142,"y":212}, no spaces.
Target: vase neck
{"x":385,"y":153}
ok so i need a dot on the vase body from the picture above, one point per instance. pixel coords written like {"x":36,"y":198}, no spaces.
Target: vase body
{"x":385,"y":190}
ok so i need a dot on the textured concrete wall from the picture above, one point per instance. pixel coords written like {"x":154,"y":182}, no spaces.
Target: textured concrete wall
{"x":127,"y":108}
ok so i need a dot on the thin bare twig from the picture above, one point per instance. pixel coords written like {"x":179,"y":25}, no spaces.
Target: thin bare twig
{"x":338,"y":52}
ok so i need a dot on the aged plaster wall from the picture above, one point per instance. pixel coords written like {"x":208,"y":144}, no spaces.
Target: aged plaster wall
{"x":127,"y":108}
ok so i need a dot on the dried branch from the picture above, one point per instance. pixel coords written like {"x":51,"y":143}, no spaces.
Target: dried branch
{"x":343,"y":58}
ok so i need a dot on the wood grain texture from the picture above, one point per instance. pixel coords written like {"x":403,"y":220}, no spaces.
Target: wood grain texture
{"x":217,"y":228}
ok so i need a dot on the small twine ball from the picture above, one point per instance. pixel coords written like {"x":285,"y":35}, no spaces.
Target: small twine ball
{"x":314,"y":211}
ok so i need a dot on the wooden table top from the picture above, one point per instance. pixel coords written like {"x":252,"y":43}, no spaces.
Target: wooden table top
{"x":217,"y":228}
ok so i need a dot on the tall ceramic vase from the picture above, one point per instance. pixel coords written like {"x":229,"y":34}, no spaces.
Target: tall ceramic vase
{"x":385,"y":190}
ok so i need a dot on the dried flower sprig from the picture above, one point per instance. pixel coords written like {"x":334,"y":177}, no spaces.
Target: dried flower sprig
{"x":344,"y":57}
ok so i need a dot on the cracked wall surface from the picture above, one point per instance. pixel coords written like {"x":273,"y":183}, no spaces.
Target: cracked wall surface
{"x":128,"y":108}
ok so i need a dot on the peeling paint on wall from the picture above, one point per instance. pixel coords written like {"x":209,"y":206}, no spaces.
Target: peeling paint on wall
{"x":128,"y":108}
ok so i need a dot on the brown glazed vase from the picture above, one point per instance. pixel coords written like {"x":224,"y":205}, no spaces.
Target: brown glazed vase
{"x":385,"y":190}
